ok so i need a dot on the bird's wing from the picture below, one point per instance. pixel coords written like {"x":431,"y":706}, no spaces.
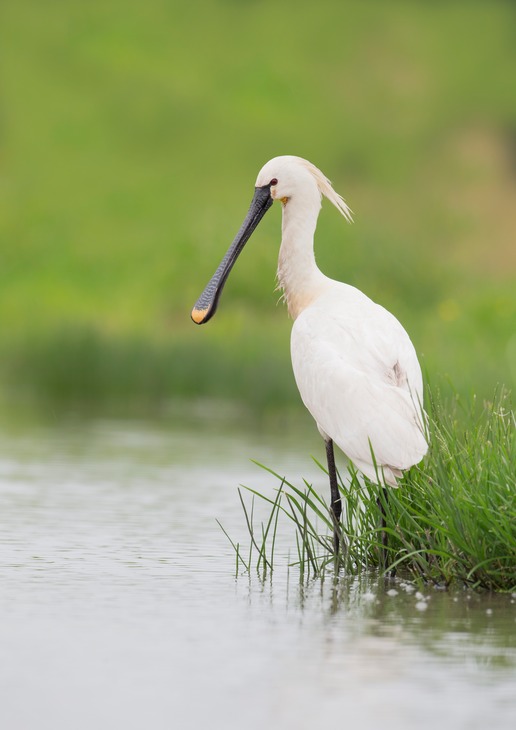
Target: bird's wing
{"x":359,"y":377}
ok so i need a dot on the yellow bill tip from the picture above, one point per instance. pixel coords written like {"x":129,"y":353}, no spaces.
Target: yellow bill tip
{"x":198,"y":315}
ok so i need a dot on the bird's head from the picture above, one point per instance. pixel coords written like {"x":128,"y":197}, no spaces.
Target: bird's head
{"x":291,"y":178}
{"x":285,"y":178}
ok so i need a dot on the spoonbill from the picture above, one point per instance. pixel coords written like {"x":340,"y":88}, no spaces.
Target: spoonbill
{"x":354,"y":364}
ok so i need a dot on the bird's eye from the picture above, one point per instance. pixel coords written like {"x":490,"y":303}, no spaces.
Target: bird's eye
{"x":274,"y":181}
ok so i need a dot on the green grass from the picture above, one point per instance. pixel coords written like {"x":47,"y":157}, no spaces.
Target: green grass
{"x":130,"y":139}
{"x":81,"y":367}
{"x":452,"y":519}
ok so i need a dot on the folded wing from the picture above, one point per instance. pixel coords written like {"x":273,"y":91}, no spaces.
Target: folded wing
{"x":358,"y":375}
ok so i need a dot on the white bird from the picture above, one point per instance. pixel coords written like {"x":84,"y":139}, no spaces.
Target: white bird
{"x":355,"y":366}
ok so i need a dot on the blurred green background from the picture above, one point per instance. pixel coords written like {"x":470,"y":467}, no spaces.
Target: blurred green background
{"x":131,"y":136}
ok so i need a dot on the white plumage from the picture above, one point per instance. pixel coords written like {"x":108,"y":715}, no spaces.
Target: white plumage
{"x":360,"y":379}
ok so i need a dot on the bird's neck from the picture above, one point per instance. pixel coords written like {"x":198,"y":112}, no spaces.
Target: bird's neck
{"x":298,"y":275}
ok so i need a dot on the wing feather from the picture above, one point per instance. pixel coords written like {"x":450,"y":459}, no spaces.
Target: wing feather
{"x":358,"y":375}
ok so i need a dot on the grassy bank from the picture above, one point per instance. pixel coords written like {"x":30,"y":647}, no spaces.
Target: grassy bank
{"x":78,"y":367}
{"x":453,"y":518}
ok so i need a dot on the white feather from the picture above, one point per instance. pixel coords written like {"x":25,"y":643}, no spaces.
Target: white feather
{"x":360,"y":379}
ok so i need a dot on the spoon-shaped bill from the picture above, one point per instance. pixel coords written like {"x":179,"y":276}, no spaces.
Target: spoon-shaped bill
{"x":206,"y":305}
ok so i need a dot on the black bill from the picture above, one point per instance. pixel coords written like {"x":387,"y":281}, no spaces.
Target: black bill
{"x":206,"y":305}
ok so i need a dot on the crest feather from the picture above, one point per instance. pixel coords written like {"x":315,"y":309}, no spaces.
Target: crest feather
{"x":326,"y":189}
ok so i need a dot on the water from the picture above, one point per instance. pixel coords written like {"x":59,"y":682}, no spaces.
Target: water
{"x":120,"y":608}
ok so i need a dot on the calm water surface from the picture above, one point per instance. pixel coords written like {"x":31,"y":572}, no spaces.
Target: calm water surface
{"x":120,"y":608}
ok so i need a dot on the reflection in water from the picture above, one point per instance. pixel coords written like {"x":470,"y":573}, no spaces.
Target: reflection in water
{"x":119,"y":606}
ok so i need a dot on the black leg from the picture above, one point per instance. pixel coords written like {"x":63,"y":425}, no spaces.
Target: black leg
{"x":383,"y":524}
{"x":336,"y":503}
